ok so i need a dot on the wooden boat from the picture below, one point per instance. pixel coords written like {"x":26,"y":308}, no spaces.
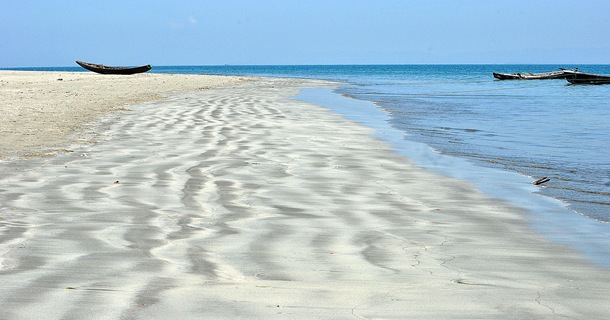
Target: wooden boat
{"x":561,"y":74}
{"x":100,"y":68}
{"x":587,"y":78}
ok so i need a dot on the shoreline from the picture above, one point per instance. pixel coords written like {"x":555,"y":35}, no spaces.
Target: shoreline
{"x":240,"y":201}
{"x":548,"y":216}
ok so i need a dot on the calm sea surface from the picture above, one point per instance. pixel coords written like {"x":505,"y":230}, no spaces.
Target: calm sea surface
{"x":537,"y":128}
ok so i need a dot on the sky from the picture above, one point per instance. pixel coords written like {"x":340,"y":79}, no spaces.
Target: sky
{"x":41,"y":33}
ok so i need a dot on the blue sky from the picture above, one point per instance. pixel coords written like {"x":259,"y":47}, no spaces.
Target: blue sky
{"x":205,"y":32}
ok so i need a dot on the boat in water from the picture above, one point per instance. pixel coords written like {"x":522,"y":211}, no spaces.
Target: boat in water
{"x":100,"y":68}
{"x":561,"y":74}
{"x":587,"y":78}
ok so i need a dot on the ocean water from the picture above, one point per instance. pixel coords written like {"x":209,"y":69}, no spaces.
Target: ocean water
{"x":538,"y":129}
{"x":500,"y":135}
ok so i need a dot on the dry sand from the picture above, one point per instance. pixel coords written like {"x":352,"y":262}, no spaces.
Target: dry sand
{"x":39,"y":110}
{"x":238,"y":202}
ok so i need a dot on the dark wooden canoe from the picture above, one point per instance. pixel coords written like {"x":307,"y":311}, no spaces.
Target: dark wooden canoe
{"x":561,"y":74}
{"x":587,"y":78}
{"x":100,"y":68}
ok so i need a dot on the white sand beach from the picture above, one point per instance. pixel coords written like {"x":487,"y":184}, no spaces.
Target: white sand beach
{"x":236,"y":201}
{"x":41,"y":109}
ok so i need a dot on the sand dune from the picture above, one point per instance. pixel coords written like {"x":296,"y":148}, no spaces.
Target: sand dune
{"x":238,"y":202}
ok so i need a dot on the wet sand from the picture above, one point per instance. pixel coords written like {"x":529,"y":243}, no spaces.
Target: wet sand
{"x":239,"y":202}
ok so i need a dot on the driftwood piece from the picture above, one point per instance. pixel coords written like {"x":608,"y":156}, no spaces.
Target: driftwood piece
{"x":541,"y":181}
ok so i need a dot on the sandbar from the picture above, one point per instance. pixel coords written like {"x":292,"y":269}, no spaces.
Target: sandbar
{"x":238,"y":201}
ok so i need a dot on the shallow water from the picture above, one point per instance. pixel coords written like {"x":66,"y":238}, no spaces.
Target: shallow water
{"x":535,"y":128}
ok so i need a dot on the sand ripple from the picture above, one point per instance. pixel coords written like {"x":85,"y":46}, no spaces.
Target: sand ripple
{"x":239,"y":202}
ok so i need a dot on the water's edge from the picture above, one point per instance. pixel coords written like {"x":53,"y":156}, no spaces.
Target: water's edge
{"x":548,"y":216}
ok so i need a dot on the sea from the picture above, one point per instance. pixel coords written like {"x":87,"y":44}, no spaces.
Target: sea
{"x":500,"y":135}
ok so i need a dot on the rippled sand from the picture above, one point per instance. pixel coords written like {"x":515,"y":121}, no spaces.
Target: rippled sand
{"x":40,"y":110}
{"x":238,"y":202}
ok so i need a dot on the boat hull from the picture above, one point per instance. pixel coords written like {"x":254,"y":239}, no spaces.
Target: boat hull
{"x":561,"y":74}
{"x":506,"y":76}
{"x":102,"y":69}
{"x":587,"y":78}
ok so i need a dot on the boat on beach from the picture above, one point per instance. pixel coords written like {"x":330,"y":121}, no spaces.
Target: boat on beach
{"x":587,"y":78}
{"x":561,"y":74}
{"x":100,"y":68}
